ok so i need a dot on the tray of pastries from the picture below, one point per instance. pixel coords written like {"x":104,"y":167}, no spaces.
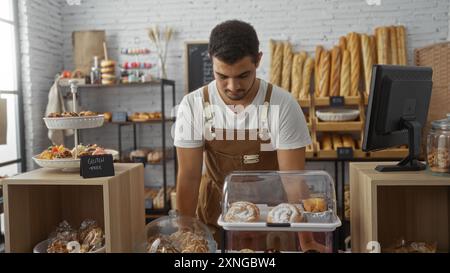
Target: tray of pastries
{"x":145,"y":116}
{"x":73,"y":120}
{"x":89,"y":238}
{"x":311,"y":214}
{"x":60,"y":157}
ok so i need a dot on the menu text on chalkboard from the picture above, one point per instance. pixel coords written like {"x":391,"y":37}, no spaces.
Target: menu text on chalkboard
{"x":96,"y":166}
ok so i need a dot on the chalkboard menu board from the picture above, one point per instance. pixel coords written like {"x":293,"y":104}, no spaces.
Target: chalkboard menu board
{"x":199,"y":70}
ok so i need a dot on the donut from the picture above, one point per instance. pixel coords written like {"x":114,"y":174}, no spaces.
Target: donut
{"x":242,"y":211}
{"x":107,"y":63}
{"x":284,"y":213}
{"x":107,"y":70}
{"x":105,"y":81}
{"x":108,"y":76}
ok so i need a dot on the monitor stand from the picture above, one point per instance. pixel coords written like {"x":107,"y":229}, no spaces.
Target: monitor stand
{"x":411,"y":162}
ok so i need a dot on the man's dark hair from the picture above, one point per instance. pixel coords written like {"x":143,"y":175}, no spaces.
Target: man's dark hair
{"x":233,"y":40}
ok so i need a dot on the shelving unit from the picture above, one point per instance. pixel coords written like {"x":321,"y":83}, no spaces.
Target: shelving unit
{"x":163,"y":84}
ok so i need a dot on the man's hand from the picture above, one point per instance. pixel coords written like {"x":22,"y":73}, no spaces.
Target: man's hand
{"x":190,"y":163}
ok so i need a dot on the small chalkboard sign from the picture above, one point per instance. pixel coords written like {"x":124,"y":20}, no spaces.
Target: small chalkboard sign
{"x":119,"y":117}
{"x":140,"y":159}
{"x":337,"y":101}
{"x":345,"y":153}
{"x":198,"y":68}
{"x":96,"y":166}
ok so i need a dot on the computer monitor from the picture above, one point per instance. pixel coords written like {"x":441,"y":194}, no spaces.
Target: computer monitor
{"x":397,"y":111}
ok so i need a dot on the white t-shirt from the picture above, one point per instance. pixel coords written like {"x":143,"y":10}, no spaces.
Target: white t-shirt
{"x":286,"y":121}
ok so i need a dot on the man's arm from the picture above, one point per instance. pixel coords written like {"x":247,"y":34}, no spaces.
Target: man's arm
{"x":190,"y":163}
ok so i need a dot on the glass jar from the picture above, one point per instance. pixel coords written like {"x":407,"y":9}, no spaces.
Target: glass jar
{"x":438,"y":145}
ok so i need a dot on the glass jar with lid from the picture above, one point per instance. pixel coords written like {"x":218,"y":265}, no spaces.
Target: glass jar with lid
{"x":438,"y":146}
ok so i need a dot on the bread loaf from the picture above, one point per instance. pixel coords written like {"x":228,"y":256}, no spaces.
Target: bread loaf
{"x":394,"y":45}
{"x":382,"y":35}
{"x":319,"y":50}
{"x":277,"y":64}
{"x":355,"y":68}
{"x":373,"y":46}
{"x":337,"y":141}
{"x":401,"y":45}
{"x":324,"y":68}
{"x":345,"y":74}
{"x":296,"y":76}
{"x":306,"y":81}
{"x":287,"y":67}
{"x":342,"y":43}
{"x":335,"y":71}
{"x":326,"y":142}
{"x":367,"y":55}
{"x":347,"y":141}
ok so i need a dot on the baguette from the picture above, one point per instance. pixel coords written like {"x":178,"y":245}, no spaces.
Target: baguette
{"x":345,"y":74}
{"x":367,"y":61}
{"x":325,"y":66}
{"x":337,"y":141}
{"x":287,"y":67}
{"x":342,"y":43}
{"x":306,"y":81}
{"x":319,"y":50}
{"x":394,"y":45}
{"x":401,"y":45}
{"x":355,"y":68}
{"x":296,"y":76}
{"x":373,"y":46}
{"x":335,"y":71}
{"x":382,"y":35}
{"x":326,"y":142}
{"x":277,"y":64}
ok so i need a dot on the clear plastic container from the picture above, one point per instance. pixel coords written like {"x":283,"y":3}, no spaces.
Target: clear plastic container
{"x":176,"y":234}
{"x":438,"y":146}
{"x":279,"y":211}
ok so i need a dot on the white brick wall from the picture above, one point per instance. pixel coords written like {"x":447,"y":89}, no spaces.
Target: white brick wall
{"x":304,"y":23}
{"x":42,"y":57}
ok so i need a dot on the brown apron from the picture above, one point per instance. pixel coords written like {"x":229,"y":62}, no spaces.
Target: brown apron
{"x":224,"y":156}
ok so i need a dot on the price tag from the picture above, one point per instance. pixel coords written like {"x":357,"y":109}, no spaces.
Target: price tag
{"x":140,"y":159}
{"x":345,"y":153}
{"x":96,"y":166}
{"x":337,"y":101}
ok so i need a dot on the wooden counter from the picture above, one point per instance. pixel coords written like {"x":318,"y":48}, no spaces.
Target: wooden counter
{"x":37,"y":201}
{"x":386,"y":207}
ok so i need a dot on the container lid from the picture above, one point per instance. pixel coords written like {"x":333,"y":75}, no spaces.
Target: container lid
{"x":442,"y":124}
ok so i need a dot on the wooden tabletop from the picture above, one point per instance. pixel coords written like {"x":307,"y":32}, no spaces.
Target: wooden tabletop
{"x":45,"y":176}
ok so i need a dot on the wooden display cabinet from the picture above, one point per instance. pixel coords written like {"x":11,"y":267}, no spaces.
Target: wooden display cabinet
{"x":37,"y":201}
{"x":387,"y":207}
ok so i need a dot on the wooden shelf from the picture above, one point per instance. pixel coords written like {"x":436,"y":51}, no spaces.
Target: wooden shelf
{"x":344,"y":126}
{"x":141,"y":122}
{"x":305,"y":103}
{"x":390,"y":153}
{"x":325,"y":101}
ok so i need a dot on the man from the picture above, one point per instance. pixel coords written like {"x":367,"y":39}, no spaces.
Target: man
{"x":239,"y":122}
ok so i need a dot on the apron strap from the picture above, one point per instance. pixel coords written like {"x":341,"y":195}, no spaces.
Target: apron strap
{"x":209,"y":116}
{"x":264,"y":115}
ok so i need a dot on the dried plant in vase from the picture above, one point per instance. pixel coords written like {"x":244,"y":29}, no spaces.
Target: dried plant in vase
{"x":161,"y":41}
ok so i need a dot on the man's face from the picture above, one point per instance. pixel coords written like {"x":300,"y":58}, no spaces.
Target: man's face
{"x":235,"y":80}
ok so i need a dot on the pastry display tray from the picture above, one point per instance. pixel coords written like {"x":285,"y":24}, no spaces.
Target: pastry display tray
{"x":262,"y":224}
